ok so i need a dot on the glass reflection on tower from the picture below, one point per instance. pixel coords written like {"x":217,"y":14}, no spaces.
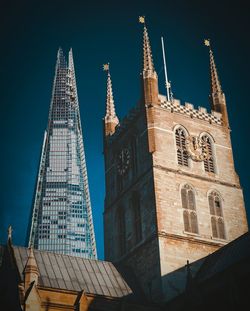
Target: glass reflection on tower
{"x":61,"y":219}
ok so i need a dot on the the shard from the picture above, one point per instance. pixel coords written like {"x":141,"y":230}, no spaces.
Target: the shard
{"x":61,"y":218}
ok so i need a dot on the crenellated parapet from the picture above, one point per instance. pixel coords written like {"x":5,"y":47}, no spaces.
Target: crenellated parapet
{"x":189,"y":110}
{"x":174,"y":107}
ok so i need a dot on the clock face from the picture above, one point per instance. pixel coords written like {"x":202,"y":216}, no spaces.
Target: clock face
{"x":196,"y":148}
{"x":123,"y":161}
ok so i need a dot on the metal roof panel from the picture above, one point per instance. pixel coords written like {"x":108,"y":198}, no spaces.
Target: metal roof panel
{"x":74,"y":273}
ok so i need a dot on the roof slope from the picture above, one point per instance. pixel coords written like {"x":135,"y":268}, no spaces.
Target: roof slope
{"x":75,"y":273}
{"x":1,"y":254}
{"x":230,"y":254}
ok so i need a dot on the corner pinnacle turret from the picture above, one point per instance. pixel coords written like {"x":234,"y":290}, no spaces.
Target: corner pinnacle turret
{"x":148,"y":64}
{"x":111,"y":120}
{"x":31,"y":272}
{"x":149,"y":75}
{"x":217,"y":97}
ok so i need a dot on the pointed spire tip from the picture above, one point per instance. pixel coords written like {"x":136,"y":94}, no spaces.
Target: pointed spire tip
{"x":110,"y":116}
{"x":148,"y":64}
{"x":215,"y":82}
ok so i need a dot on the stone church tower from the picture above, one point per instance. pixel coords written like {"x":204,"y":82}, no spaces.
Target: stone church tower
{"x":172,"y":193}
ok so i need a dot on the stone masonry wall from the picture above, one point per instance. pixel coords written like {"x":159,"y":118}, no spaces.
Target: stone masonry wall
{"x":159,"y":259}
{"x":145,"y":262}
{"x":169,"y":177}
{"x":142,"y":257}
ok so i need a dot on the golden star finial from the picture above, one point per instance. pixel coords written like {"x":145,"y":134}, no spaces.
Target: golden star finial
{"x":106,"y":67}
{"x":207,"y":42}
{"x":142,"y":19}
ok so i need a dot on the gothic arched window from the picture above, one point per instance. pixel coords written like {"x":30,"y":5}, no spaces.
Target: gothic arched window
{"x":209,"y":161}
{"x":121,"y":231}
{"x":189,"y":209}
{"x":136,"y":212}
{"x":180,"y":138}
{"x":217,"y":221}
{"x":134,"y":154}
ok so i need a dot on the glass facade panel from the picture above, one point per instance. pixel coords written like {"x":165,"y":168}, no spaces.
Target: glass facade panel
{"x":61,"y":217}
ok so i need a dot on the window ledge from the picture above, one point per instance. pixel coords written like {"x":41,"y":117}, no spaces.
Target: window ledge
{"x":202,"y":238}
{"x":218,"y":239}
{"x":191,"y":233}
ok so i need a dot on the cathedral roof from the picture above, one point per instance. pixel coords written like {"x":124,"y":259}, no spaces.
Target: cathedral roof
{"x":74,"y":273}
{"x":233,"y":253}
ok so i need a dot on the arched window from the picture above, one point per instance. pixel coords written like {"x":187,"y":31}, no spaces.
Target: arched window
{"x":189,"y":212}
{"x":136,"y":212}
{"x":209,"y":162}
{"x":217,"y":221}
{"x":134,"y":154}
{"x":119,"y":176}
{"x":180,"y":138}
{"x":121,"y":231}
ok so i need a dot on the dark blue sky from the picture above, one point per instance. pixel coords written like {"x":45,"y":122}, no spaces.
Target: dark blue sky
{"x":108,"y":31}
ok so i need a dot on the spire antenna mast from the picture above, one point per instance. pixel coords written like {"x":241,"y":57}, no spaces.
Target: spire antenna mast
{"x":167,"y":84}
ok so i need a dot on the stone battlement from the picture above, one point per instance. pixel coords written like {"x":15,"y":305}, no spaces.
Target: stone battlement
{"x":189,"y":110}
{"x":175,"y":106}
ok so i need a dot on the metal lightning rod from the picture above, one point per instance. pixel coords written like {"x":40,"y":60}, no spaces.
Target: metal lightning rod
{"x":165,"y":70}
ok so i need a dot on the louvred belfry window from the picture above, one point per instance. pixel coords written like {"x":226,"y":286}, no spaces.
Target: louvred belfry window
{"x":180,"y":138}
{"x":217,"y":221}
{"x":189,"y":209}
{"x":209,"y":162}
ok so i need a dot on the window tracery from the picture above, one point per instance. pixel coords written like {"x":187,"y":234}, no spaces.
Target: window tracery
{"x":182,"y":155}
{"x":209,"y":164}
{"x":217,"y":221}
{"x":189,"y":209}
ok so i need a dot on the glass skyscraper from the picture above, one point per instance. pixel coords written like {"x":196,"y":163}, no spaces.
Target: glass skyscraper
{"x":61,"y":219}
